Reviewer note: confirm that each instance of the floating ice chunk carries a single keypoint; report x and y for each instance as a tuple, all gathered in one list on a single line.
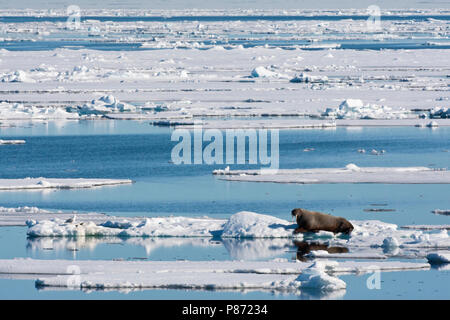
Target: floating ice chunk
[(105, 104), (261, 72), (41, 183), (22, 216), (315, 277), (355, 109), (17, 111), (351, 104), (306, 78), (108, 267), (252, 225), (150, 227), (108, 99), (390, 243), (375, 152), (12, 141), (351, 174), (272, 275), (352, 167), (16, 76)]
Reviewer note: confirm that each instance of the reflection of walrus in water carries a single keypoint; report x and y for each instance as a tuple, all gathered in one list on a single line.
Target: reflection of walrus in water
[(304, 248), (311, 221)]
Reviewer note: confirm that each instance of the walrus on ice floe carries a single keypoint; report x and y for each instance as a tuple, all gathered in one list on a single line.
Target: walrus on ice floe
[(311, 221)]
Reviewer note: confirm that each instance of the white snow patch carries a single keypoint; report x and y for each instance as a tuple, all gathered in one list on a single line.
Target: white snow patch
[(262, 72), (150, 227), (12, 142), (355, 109), (17, 111), (252, 225), (105, 104)]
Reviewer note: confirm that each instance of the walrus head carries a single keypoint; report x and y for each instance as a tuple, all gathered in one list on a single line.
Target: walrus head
[(296, 212), (345, 227)]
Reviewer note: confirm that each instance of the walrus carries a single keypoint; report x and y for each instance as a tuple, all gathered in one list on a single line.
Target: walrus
[(311, 221), (303, 248)]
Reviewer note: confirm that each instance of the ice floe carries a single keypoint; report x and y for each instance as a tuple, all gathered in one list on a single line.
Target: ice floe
[(74, 80), (306, 78), (105, 104), (212, 275), (16, 76), (367, 233), (57, 183), (150, 227), (355, 109), (19, 216), (349, 174), (17, 111), (252, 225), (262, 72), (2, 142)]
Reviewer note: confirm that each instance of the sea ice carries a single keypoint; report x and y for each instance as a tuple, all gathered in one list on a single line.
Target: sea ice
[(349, 174), (46, 183), (149, 227), (12, 142), (355, 109), (105, 104), (252, 225), (366, 233), (306, 78), (217, 275), (17, 111)]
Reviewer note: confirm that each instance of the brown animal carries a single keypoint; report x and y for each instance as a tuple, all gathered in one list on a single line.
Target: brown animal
[(311, 221)]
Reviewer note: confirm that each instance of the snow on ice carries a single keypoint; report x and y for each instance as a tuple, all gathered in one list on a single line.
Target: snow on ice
[(349, 174)]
